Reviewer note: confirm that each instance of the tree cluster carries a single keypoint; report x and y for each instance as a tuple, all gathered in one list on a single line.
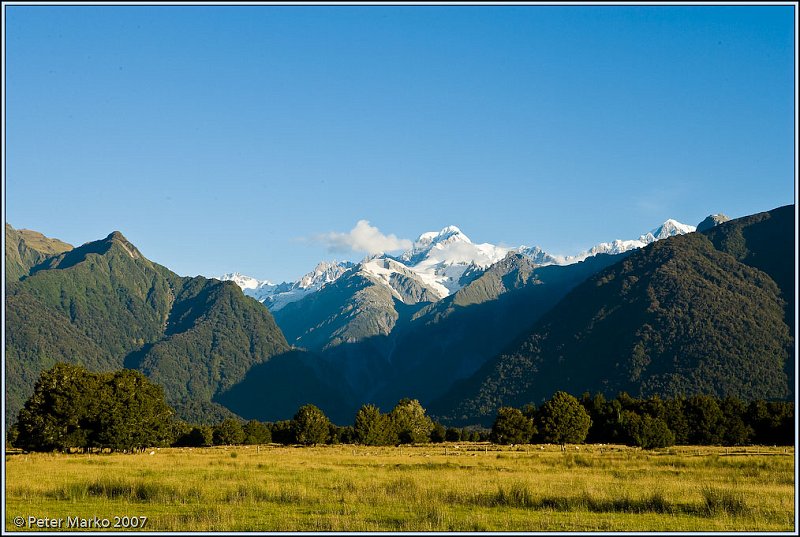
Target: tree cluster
[(74, 408), (648, 423), (406, 423), (696, 420), (560, 420)]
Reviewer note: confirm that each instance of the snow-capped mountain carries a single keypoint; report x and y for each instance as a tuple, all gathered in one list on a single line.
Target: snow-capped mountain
[(440, 258), (437, 265), (324, 272), (245, 282), (277, 296), (539, 256), (405, 283), (670, 228)]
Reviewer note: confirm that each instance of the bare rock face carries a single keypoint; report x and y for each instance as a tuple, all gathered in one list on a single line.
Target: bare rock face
[(712, 221)]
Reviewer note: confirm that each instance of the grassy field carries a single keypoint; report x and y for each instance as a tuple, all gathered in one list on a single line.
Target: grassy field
[(464, 487)]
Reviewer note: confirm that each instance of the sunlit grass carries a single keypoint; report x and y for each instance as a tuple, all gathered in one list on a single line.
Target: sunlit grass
[(464, 487)]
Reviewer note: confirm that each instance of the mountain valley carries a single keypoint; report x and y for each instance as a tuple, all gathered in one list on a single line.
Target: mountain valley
[(463, 327)]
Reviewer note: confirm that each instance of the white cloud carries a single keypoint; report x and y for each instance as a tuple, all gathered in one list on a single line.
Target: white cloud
[(363, 238)]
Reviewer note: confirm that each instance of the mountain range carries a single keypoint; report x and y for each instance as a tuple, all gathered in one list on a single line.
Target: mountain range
[(463, 327), (682, 316), (441, 262)]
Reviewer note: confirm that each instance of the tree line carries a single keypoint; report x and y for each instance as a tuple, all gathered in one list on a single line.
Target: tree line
[(648, 423), (72, 408), (407, 423)]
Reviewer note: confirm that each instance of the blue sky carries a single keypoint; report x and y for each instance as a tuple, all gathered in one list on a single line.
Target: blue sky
[(237, 138)]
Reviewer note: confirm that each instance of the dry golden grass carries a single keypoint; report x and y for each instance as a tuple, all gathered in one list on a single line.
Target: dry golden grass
[(464, 487)]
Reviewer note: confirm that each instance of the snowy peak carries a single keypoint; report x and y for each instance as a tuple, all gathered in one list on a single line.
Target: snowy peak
[(406, 284), (434, 240), (440, 258), (438, 264), (276, 297), (450, 246), (670, 228), (324, 272), (447, 234), (537, 255), (245, 282)]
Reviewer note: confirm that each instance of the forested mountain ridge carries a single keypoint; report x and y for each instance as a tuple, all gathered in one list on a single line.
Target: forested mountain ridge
[(765, 241), (105, 306), (678, 317)]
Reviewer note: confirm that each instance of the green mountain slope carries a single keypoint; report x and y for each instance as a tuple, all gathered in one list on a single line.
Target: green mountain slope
[(765, 241), (105, 306), (214, 336), (25, 249), (676, 317)]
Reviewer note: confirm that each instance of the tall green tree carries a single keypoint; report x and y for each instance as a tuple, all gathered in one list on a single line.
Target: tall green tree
[(772, 421), (411, 423), (563, 420), (256, 432), (646, 431), (675, 416), (372, 428), (512, 427), (198, 436), (705, 420), (736, 431), (438, 433), (229, 433), (62, 410), (132, 412), (311, 426), (283, 432)]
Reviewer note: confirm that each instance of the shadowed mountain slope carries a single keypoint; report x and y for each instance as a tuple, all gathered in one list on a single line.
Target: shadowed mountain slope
[(676, 317)]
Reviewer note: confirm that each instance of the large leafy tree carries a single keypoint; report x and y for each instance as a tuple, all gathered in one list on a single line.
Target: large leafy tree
[(72, 407), (61, 412), (411, 422), (229, 432), (372, 428), (512, 427), (736, 431), (200, 436), (563, 420), (256, 432), (132, 412), (705, 419), (311, 425), (646, 431)]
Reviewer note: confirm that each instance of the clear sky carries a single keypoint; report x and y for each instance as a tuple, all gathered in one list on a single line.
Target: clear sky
[(252, 138)]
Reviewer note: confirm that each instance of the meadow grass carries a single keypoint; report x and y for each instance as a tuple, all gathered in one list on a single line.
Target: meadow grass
[(463, 487)]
